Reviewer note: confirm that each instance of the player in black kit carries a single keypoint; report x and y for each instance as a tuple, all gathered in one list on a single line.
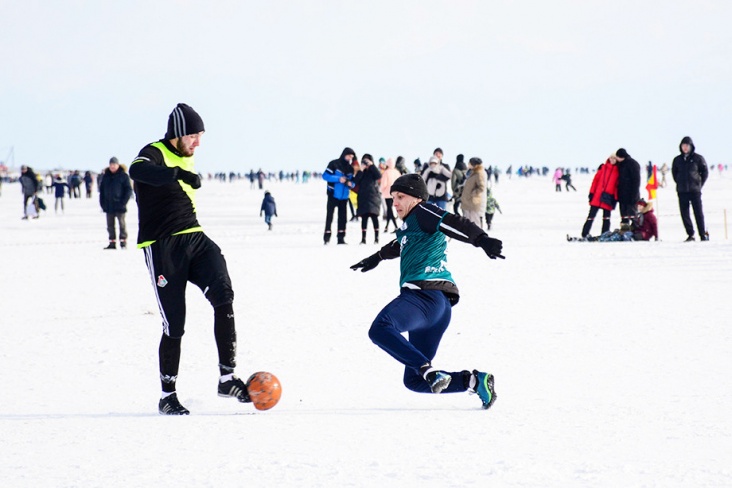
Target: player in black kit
[(177, 251)]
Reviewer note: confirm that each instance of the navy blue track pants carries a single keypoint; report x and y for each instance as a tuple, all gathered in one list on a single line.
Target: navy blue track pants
[(424, 315)]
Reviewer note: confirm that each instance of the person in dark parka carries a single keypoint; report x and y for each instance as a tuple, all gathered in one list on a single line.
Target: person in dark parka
[(115, 191), (690, 172), (369, 196), (629, 178)]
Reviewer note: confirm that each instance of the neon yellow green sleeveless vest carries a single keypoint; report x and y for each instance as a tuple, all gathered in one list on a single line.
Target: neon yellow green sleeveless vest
[(174, 161)]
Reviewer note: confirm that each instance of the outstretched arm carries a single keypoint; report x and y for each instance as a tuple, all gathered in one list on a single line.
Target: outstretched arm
[(390, 251), (432, 219)]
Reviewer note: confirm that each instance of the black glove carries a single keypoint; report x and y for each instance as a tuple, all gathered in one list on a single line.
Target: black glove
[(589, 197), (492, 247), (189, 178), (367, 264)]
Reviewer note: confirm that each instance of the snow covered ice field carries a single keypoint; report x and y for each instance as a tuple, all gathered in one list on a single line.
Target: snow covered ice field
[(612, 360)]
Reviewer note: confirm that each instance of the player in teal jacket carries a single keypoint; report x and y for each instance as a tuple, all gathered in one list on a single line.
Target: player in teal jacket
[(428, 291)]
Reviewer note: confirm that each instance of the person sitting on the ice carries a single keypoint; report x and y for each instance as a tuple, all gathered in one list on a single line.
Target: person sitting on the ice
[(646, 224)]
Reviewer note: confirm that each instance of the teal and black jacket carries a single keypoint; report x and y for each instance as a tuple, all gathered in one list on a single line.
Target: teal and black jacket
[(421, 244)]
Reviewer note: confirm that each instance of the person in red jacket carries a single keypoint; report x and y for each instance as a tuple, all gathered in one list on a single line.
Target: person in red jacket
[(603, 194), (646, 224)]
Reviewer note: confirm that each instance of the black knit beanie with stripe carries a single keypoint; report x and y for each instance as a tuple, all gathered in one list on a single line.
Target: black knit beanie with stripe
[(183, 121), (411, 184)]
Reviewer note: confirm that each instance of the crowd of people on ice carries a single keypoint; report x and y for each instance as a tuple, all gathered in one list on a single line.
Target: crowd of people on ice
[(467, 187), (364, 186)]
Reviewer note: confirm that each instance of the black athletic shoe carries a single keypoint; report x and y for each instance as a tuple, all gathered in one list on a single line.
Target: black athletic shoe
[(111, 245), (690, 239), (123, 244), (235, 388), (171, 406)]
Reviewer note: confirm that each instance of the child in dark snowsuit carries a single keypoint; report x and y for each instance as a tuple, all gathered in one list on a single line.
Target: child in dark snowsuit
[(269, 207), (60, 187), (428, 292)]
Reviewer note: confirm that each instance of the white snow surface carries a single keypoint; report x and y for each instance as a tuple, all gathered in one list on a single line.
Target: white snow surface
[(612, 360)]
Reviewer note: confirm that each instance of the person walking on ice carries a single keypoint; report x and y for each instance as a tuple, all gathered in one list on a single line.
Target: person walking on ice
[(428, 291), (177, 251), (269, 207)]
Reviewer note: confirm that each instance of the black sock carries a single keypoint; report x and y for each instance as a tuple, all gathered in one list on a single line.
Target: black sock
[(225, 334), (169, 360)]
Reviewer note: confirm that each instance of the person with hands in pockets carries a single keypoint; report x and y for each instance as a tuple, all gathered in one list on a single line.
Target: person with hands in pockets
[(428, 291)]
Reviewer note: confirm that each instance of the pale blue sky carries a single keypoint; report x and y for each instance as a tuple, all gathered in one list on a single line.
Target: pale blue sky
[(289, 84)]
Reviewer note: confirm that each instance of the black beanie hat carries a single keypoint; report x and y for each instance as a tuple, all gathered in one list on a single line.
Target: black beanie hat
[(622, 153), (411, 184), (183, 121)]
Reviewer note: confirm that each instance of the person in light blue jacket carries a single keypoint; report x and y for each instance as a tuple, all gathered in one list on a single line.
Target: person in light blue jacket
[(339, 175)]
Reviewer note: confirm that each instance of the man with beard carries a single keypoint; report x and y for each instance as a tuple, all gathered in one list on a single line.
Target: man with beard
[(177, 251), (629, 177)]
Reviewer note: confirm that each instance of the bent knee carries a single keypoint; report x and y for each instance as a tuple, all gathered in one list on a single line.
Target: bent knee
[(379, 328), (220, 294)]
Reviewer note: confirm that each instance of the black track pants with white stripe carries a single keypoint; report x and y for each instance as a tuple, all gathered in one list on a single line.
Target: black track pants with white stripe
[(176, 260)]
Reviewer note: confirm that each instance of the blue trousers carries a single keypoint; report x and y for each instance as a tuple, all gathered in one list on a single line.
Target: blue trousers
[(425, 316)]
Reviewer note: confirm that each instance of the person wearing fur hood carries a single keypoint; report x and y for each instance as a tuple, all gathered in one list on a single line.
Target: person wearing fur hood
[(474, 192), (646, 224)]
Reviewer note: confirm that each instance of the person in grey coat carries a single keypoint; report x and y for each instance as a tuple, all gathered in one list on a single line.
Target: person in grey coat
[(690, 172), (115, 191), (30, 185)]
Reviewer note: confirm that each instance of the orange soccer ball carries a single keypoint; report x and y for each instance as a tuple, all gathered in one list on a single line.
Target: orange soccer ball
[(264, 390)]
